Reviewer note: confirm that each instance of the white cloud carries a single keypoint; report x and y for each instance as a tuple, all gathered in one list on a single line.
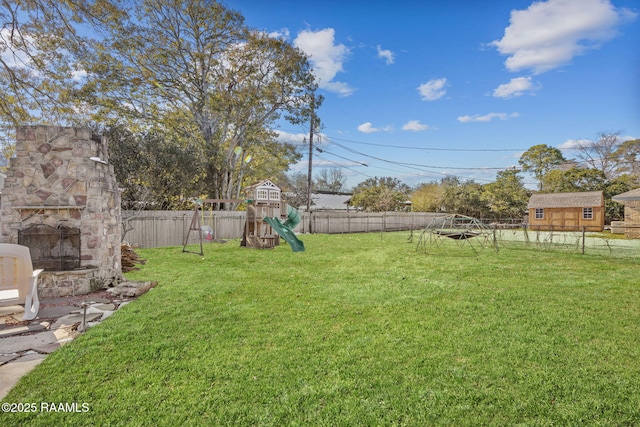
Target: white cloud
[(385, 54), (551, 33), (78, 75), (341, 88), (291, 138), (516, 87), (487, 117), (367, 127), (575, 143), (326, 58), (415, 125), (433, 89), (282, 33)]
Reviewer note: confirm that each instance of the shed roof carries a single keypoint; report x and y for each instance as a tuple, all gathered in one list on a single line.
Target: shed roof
[(628, 196), (567, 200)]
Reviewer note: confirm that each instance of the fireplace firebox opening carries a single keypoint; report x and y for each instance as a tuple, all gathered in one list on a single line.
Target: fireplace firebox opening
[(52, 248)]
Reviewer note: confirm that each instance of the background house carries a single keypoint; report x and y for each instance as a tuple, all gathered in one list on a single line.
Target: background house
[(567, 211), (326, 201), (631, 202), (330, 201)]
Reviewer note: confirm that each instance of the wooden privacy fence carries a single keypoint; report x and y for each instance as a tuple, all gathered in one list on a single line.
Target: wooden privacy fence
[(361, 222), (153, 229)]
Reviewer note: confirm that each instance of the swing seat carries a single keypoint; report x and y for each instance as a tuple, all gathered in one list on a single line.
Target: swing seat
[(207, 231)]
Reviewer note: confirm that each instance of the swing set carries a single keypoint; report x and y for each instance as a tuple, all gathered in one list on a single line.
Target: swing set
[(264, 223), (196, 225)]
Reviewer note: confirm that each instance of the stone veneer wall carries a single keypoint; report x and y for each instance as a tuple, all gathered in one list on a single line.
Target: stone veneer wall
[(60, 177), (632, 219)]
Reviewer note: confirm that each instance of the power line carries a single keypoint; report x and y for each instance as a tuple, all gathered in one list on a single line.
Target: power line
[(430, 148), (422, 171), (414, 165), (421, 168), (320, 150), (344, 167), (425, 168)]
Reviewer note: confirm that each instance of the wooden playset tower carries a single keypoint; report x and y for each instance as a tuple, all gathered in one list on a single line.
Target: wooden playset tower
[(263, 200)]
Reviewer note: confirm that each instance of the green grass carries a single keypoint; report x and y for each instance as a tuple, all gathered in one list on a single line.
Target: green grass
[(357, 330)]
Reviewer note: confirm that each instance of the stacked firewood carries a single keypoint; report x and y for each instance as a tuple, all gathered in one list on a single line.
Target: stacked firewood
[(129, 258)]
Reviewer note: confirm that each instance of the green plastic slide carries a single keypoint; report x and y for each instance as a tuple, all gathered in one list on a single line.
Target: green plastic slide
[(286, 230), (293, 218)]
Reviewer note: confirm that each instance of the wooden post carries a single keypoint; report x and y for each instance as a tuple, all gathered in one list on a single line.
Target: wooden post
[(195, 226)]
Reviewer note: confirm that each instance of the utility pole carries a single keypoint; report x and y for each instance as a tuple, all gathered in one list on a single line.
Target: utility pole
[(309, 176)]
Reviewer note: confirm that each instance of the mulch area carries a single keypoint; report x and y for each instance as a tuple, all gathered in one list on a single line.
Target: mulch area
[(77, 300)]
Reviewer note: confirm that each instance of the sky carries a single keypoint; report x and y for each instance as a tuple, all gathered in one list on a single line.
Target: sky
[(421, 90)]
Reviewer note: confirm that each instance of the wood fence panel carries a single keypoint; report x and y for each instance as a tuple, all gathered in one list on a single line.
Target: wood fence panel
[(152, 229)]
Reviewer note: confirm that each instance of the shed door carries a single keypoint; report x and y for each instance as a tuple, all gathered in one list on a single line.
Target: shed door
[(564, 219)]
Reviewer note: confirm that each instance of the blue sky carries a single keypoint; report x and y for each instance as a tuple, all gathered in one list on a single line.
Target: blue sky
[(419, 90)]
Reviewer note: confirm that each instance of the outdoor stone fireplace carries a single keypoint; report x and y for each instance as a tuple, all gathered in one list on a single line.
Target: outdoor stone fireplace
[(60, 198), (52, 249)]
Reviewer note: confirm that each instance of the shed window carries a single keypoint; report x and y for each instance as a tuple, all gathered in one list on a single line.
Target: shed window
[(274, 195), (262, 194), (587, 213), (539, 213)]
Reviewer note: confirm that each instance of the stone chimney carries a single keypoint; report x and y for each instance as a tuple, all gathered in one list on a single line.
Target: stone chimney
[(60, 179)]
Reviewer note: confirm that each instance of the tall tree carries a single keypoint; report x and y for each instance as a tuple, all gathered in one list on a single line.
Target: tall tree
[(190, 70), (507, 197), (428, 197), (330, 179), (40, 42), (463, 197), (155, 173), (295, 188), (602, 153), (575, 179), (628, 158), (195, 68), (539, 160), (380, 194)]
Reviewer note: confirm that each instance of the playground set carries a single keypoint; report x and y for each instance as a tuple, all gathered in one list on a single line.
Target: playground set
[(268, 219), (463, 230)]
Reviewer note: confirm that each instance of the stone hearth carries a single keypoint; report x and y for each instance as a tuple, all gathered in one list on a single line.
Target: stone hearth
[(60, 177)]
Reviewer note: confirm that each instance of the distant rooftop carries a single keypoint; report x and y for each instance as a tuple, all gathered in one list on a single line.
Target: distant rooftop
[(629, 196), (327, 201)]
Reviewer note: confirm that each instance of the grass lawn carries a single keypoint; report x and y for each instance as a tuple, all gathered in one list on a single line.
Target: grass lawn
[(357, 330)]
